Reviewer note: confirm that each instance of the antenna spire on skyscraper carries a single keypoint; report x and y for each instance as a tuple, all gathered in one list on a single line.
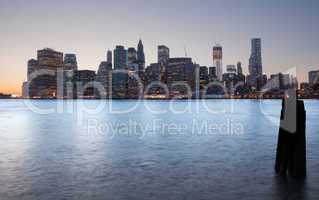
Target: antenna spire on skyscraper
[(185, 50)]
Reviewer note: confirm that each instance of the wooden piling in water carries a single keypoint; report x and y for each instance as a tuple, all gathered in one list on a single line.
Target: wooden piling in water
[(291, 147)]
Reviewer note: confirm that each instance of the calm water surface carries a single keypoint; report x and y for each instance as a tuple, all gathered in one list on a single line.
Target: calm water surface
[(218, 150)]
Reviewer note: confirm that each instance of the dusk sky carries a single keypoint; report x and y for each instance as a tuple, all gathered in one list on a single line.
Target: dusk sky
[(289, 30)]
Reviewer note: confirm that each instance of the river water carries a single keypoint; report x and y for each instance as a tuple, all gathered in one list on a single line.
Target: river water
[(90, 149)]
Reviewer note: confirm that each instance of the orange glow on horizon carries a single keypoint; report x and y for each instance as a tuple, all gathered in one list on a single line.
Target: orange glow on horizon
[(11, 90)]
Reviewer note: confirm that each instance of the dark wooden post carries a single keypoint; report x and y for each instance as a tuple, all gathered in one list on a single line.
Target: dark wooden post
[(291, 147)]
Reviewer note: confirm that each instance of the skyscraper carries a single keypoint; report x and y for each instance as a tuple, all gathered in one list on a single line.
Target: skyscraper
[(181, 71), (255, 64), (203, 77), (217, 59), (131, 55), (69, 67), (239, 69), (240, 75), (120, 57), (29, 87), (42, 78), (119, 79), (140, 55), (212, 73), (231, 69), (313, 77), (103, 77), (162, 54), (203, 73), (109, 57), (85, 83), (50, 61), (132, 59), (70, 62), (33, 65), (133, 67), (152, 75)]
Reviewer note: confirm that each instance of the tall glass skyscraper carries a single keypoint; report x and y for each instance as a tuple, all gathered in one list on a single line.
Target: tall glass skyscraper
[(217, 59), (255, 64), (119, 78), (120, 57)]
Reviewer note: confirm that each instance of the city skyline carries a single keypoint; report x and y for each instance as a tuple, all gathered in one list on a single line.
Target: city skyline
[(53, 75), (285, 45)]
